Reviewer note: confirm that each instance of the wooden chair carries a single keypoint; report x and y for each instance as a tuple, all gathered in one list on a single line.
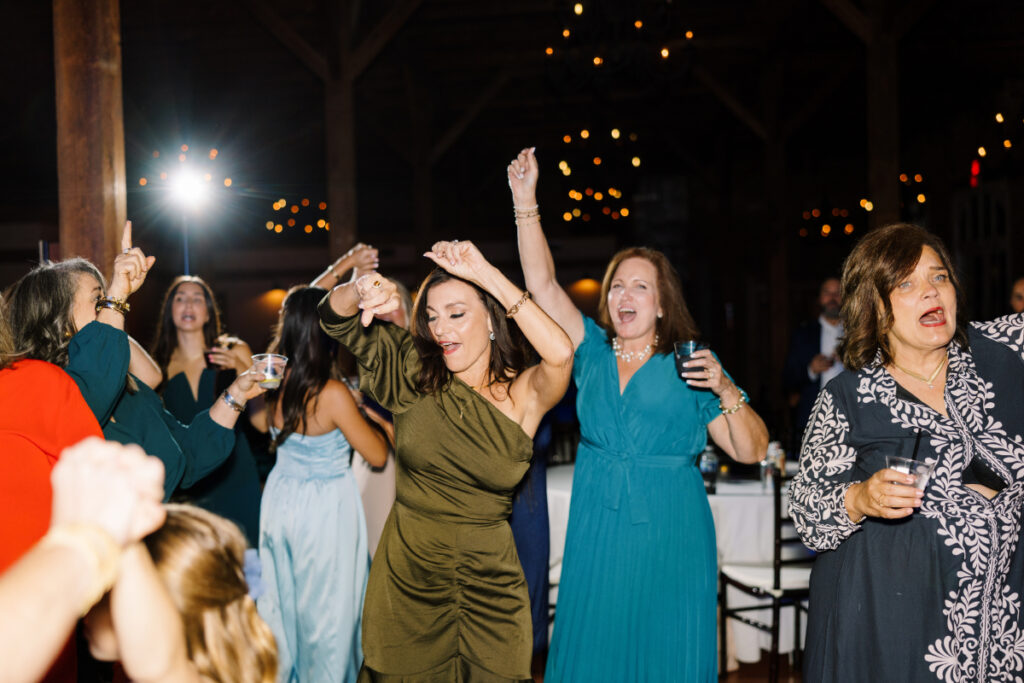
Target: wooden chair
[(785, 582)]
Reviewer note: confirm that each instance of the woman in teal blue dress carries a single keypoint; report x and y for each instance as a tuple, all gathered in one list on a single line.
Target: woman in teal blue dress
[(64, 313), (636, 600), (197, 362)]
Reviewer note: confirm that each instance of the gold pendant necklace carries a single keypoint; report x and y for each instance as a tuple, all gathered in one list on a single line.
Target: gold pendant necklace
[(930, 381)]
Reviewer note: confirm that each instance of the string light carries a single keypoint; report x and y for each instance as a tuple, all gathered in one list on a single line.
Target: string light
[(999, 118), (826, 230), (565, 33), (689, 35), (549, 51), (567, 139), (1007, 144), (639, 24), (664, 53), (848, 229), (578, 8), (920, 199), (598, 61), (981, 152), (615, 133), (584, 133)]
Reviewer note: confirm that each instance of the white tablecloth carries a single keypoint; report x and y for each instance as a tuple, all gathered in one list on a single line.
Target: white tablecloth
[(743, 517)]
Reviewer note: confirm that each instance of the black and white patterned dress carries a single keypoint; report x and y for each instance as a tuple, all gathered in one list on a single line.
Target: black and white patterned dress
[(936, 596)]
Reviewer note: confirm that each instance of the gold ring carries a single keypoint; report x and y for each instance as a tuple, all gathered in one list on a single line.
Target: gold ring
[(376, 283)]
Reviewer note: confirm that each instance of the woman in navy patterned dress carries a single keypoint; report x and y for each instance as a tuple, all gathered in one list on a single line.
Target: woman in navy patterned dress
[(913, 586)]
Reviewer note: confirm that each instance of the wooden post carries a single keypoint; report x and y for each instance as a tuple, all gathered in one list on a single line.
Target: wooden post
[(90, 128), (341, 164)]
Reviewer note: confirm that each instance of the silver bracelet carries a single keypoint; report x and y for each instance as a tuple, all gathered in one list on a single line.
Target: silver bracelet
[(231, 402)]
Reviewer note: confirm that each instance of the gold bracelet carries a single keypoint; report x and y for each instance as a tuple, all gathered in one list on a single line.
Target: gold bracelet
[(529, 212), (97, 547), (733, 409), (119, 305), (515, 307)]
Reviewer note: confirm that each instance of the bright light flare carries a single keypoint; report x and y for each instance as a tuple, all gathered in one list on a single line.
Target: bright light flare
[(188, 189)]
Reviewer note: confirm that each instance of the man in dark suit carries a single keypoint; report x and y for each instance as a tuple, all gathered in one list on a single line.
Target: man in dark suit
[(812, 360)]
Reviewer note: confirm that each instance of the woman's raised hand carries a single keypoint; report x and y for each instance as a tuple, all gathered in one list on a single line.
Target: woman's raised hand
[(130, 267), (887, 493), (522, 179), (377, 296), (461, 259)]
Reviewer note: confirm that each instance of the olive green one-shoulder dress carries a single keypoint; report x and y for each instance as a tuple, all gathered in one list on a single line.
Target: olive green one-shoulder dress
[(446, 599)]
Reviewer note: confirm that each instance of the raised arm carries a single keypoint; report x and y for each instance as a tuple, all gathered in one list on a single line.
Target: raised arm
[(360, 259), (142, 365), (545, 383), (534, 253)]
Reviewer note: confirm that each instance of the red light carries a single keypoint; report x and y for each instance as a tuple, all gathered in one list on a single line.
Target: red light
[(975, 168), (974, 181)]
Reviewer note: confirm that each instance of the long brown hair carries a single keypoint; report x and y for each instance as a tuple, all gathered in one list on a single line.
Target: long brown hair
[(39, 309), (510, 352), (166, 338), (676, 323), (880, 261), (311, 357), (201, 559)]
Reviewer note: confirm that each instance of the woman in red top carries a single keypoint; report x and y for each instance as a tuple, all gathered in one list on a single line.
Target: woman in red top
[(41, 413)]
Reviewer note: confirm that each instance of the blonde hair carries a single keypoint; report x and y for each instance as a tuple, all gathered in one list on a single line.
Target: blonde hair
[(200, 557)]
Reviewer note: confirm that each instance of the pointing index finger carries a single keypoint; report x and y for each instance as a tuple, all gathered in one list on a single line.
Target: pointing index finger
[(126, 236)]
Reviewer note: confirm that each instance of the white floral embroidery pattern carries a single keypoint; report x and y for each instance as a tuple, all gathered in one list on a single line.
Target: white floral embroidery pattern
[(983, 641), (982, 613)]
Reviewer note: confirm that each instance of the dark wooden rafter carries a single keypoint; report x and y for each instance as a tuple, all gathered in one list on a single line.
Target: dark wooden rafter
[(486, 96), (731, 102), (378, 38), (288, 37)]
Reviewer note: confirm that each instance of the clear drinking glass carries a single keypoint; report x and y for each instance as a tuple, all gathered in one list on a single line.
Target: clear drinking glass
[(271, 368), (921, 470)]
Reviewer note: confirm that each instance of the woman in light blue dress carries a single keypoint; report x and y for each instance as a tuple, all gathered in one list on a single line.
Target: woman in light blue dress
[(313, 544), (636, 601)]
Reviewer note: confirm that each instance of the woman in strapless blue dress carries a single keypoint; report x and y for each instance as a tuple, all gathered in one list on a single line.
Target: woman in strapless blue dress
[(313, 543)]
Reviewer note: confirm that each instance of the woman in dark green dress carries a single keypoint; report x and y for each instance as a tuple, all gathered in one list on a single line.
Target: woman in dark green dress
[(64, 313), (447, 600), (197, 363)]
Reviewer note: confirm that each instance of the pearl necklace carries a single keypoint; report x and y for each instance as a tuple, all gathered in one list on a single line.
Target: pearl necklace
[(630, 356)]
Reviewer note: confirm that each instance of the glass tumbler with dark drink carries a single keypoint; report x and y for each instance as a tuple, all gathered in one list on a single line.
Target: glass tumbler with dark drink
[(684, 351)]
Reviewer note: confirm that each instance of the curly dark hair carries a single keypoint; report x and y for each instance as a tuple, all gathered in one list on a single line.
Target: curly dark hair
[(510, 352), (166, 338), (676, 323), (39, 309), (311, 356), (880, 261)]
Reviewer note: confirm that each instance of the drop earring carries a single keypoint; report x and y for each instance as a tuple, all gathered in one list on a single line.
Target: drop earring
[(491, 335)]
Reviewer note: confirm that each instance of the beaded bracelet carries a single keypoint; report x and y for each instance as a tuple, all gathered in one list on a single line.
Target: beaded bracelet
[(119, 305), (515, 307), (529, 212), (733, 409)]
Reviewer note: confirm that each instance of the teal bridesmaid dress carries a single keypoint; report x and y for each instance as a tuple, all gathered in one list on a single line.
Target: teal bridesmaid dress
[(637, 598), (233, 489)]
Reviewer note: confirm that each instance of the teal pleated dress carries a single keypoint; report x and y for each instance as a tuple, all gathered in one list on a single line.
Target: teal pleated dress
[(637, 598), (315, 560)]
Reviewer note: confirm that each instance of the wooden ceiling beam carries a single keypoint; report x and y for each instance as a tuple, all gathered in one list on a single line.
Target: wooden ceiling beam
[(379, 37), (852, 17), (730, 101), (469, 115), (287, 36)]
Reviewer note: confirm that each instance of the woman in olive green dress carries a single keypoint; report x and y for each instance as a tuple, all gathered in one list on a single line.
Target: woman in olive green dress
[(446, 599)]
